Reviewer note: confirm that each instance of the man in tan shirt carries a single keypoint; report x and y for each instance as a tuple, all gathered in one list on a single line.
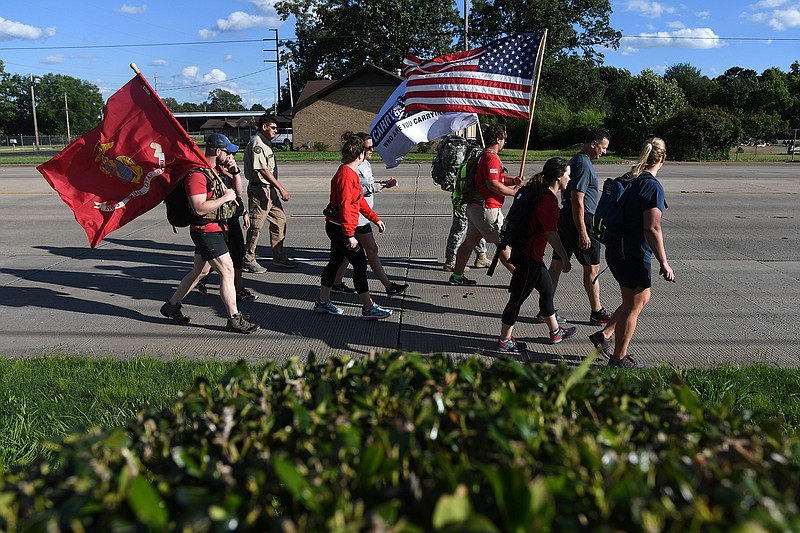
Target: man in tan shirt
[(264, 193)]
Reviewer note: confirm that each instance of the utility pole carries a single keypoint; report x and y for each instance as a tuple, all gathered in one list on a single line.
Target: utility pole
[(466, 25), (277, 65), (33, 107), (156, 81), (66, 112), (289, 78)]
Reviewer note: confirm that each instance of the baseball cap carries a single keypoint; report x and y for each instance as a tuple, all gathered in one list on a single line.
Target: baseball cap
[(218, 140)]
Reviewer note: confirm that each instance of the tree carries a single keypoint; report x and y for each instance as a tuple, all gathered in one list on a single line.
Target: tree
[(84, 102), (648, 99), (336, 37), (573, 26), (700, 134), (257, 107), (697, 88), (222, 100), (172, 104), (734, 89)]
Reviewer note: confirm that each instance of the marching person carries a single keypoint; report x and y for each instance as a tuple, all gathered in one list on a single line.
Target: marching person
[(530, 272), (341, 220), (363, 232), (264, 196), (212, 204), (630, 257)]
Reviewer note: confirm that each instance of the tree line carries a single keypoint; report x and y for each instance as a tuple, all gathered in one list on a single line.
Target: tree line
[(701, 117)]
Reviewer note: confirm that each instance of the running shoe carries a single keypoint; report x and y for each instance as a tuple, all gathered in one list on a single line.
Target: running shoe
[(561, 334), (600, 341), (539, 319), (327, 307), (253, 268), (599, 318), (510, 345), (375, 312), (246, 296), (461, 281), (396, 288), (625, 362), (201, 285), (343, 288)]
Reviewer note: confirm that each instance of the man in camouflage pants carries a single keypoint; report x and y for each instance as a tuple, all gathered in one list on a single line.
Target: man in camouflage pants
[(457, 233)]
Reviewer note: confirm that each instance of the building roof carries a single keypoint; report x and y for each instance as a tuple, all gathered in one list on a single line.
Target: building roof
[(322, 88)]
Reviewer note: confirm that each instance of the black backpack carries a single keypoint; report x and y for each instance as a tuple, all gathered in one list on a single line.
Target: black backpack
[(451, 152), (517, 224), (608, 216)]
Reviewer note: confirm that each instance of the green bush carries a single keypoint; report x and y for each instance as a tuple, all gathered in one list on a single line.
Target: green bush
[(706, 134), (320, 146), (405, 442), (424, 147)]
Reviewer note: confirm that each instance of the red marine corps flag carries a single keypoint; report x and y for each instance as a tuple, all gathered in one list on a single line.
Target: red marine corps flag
[(126, 165)]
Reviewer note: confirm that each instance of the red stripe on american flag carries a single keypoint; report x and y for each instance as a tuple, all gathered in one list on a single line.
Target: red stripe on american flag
[(417, 95), (415, 84), (469, 109)]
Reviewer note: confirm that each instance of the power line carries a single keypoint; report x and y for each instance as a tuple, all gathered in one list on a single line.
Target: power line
[(139, 45), (214, 82), (699, 38)]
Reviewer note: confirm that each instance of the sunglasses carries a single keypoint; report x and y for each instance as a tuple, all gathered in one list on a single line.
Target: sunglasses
[(369, 149), (227, 151)]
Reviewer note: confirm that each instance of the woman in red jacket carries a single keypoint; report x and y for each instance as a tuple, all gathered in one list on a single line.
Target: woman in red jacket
[(530, 272), (341, 218)]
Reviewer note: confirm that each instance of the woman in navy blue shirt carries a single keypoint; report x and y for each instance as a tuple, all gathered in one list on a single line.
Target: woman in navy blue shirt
[(630, 257)]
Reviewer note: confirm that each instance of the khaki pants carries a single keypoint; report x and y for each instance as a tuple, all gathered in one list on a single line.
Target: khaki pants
[(264, 205)]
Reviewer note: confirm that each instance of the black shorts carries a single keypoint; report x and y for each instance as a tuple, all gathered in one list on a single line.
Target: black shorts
[(363, 230), (209, 245), (568, 234), (633, 273)]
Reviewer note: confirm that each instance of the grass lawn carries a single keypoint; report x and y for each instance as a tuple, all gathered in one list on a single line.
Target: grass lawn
[(42, 398)]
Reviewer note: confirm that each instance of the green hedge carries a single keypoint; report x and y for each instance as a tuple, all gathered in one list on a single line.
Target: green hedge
[(406, 442)]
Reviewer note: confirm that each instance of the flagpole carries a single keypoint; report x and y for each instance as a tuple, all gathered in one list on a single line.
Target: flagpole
[(539, 61)]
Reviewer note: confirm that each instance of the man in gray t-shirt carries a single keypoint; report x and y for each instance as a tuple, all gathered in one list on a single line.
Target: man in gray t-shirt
[(579, 201)]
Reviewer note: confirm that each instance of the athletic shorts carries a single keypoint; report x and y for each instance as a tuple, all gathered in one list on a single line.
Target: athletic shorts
[(568, 234), (486, 221), (363, 230), (631, 273), (209, 245)]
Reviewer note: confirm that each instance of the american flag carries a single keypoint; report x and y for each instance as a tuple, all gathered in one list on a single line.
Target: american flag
[(495, 79)]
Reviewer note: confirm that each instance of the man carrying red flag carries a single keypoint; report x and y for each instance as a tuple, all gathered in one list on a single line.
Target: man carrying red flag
[(212, 204)]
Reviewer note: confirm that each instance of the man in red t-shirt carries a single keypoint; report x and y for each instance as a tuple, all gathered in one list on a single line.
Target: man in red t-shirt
[(209, 237), (486, 218)]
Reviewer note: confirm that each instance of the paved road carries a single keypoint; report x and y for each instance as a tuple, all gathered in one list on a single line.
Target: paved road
[(731, 235)]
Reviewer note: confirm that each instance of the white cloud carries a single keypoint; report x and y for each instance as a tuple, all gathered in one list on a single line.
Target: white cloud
[(133, 10), (17, 30), (777, 19), (159, 63), (699, 38), (228, 58), (265, 16), (703, 14), (677, 24), (768, 4), (649, 9), (192, 75), (55, 59)]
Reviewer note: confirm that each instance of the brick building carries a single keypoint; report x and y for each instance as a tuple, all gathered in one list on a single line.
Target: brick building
[(326, 108)]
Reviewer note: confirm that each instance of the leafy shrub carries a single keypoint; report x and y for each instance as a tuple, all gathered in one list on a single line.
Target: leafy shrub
[(706, 134), (320, 146), (403, 442), (424, 147)]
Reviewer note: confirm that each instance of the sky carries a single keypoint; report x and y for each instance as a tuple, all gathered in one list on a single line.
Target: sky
[(187, 49)]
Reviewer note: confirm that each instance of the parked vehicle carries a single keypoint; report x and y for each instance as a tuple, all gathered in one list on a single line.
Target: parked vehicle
[(283, 138)]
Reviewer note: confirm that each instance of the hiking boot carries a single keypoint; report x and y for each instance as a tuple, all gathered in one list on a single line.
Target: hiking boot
[(625, 362), (239, 324), (285, 263), (539, 319), (599, 318), (561, 334), (600, 341), (396, 288), (482, 261), (246, 296), (342, 287), (253, 268), (201, 285), (449, 266), (510, 345), (327, 307), (375, 312), (174, 312), (461, 281)]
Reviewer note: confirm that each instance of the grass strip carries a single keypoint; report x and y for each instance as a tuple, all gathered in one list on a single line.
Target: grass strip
[(43, 398)]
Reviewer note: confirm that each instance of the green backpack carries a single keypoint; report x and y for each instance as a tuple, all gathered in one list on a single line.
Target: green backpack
[(464, 190)]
